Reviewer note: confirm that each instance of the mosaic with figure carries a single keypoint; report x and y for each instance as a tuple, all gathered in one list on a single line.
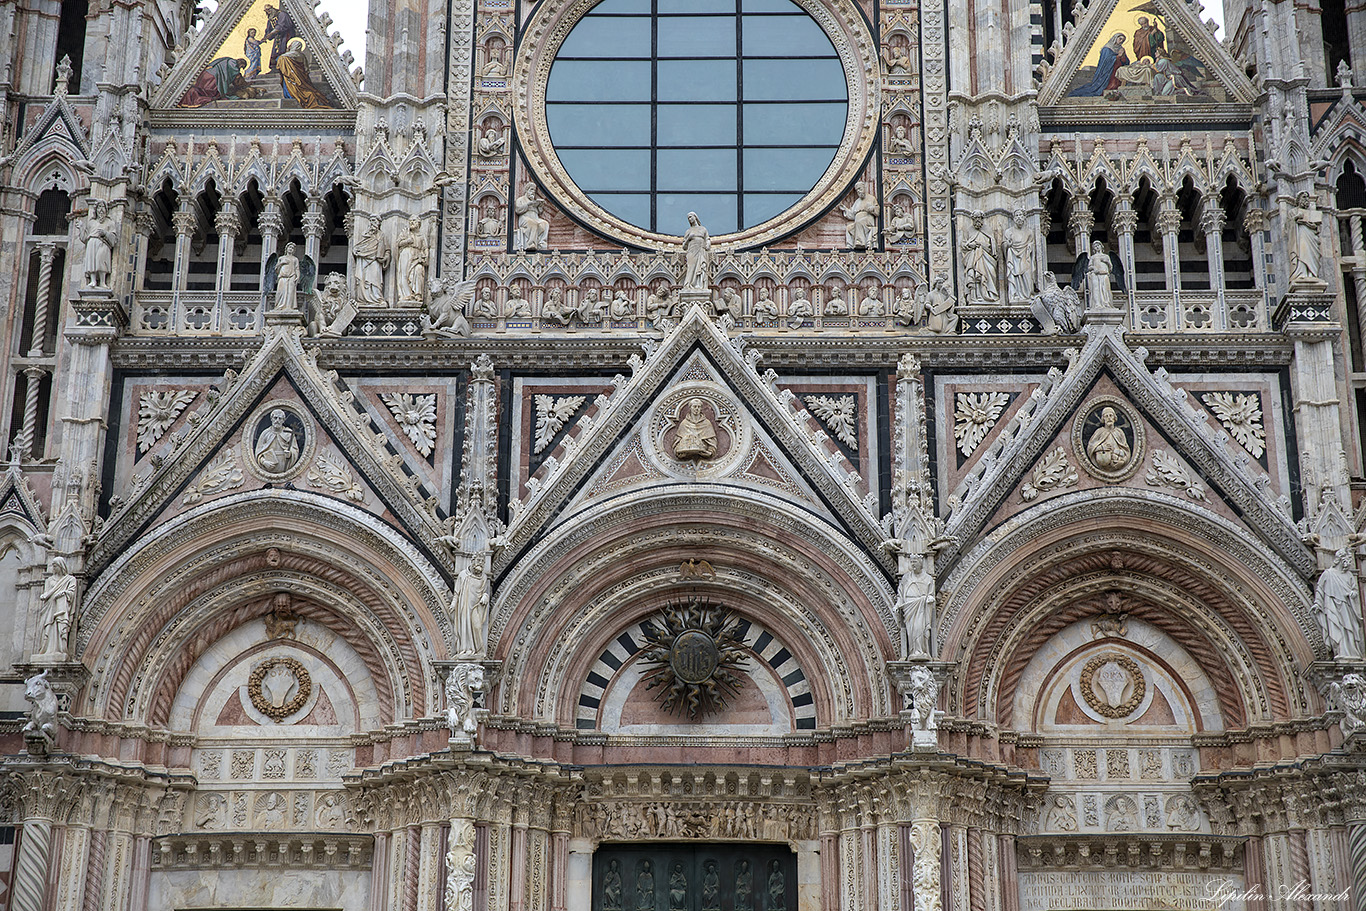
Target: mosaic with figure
[(1140, 57)]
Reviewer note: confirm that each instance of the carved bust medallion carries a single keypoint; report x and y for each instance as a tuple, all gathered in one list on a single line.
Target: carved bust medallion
[(697, 430), (278, 441), (1107, 440)]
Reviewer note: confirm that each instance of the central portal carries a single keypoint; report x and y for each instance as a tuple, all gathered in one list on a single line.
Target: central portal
[(695, 877)]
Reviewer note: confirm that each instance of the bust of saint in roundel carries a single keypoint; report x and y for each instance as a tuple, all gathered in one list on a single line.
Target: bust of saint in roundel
[(696, 436)]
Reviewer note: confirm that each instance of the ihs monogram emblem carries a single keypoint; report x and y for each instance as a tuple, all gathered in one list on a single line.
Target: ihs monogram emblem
[(694, 653)]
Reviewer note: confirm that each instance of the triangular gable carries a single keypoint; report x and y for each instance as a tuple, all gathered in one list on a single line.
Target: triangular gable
[(17, 501), (1184, 64), (206, 449), (57, 127), (198, 82), (1195, 439), (697, 352)]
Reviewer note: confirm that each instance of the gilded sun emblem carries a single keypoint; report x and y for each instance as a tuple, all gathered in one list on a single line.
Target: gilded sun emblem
[(694, 654)]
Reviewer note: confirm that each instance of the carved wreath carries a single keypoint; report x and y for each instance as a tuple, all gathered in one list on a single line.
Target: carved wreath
[(1128, 706), (264, 705)]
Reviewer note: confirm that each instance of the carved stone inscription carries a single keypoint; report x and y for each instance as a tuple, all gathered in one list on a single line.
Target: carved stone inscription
[(1113, 891)]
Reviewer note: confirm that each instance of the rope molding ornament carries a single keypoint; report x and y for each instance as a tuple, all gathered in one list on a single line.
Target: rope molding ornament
[(842, 22), (1129, 666)]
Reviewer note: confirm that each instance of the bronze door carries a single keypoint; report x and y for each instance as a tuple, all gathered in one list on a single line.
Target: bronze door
[(694, 877)]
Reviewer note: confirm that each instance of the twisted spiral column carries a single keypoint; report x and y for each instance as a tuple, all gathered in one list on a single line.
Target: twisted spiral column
[(30, 874)]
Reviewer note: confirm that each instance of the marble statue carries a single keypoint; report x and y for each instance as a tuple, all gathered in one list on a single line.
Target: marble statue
[(861, 233), (464, 682), (696, 255), (835, 304), (622, 307), (939, 307), (915, 605), (277, 447), (924, 690), (42, 713), (413, 256), (980, 263), (871, 303), (1099, 275), (100, 236), (1021, 257), (1349, 697), (1062, 815), (901, 226), (1109, 446), (900, 143), (334, 310), (446, 310), (491, 144), (59, 602), (661, 305), (1337, 606), (696, 437), (1058, 309), (1306, 251), (372, 258), (470, 609), (287, 280), (799, 309), (533, 231), (765, 308)]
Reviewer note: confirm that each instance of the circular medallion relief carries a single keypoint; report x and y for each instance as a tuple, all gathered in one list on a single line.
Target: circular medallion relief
[(694, 656), (696, 430), (279, 687), (278, 441), (1107, 440), (755, 114), (1112, 685)]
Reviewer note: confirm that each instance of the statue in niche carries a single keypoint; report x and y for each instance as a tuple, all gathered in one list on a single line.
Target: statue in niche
[(488, 226), (861, 232), (980, 266), (645, 887), (835, 305), (622, 307), (277, 446), (611, 887), (470, 609), (372, 258), (1337, 605), (901, 226), (696, 255), (1109, 447), (100, 235), (413, 255), (871, 304), (494, 68), (1021, 257), (661, 305), (485, 307), (1058, 309), (744, 887), (59, 609), (914, 599), (900, 143), (696, 439), (533, 231), (765, 308), (1306, 252), (799, 309), (678, 889), (777, 888), (711, 887), (491, 144), (1100, 270)]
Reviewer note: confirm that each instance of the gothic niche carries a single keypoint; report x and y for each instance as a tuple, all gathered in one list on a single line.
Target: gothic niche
[(695, 656)]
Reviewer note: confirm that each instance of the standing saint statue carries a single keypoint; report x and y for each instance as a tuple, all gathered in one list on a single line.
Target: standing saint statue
[(914, 598), (59, 599), (372, 258), (287, 280), (861, 232), (470, 609), (697, 255), (1306, 252), (1021, 258), (413, 254), (980, 263), (99, 235), (1099, 272), (533, 231), (1337, 606)]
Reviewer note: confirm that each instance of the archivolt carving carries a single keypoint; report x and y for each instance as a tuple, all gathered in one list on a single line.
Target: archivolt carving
[(1219, 608)]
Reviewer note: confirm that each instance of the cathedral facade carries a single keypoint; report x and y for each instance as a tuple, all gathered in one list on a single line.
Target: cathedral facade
[(682, 455)]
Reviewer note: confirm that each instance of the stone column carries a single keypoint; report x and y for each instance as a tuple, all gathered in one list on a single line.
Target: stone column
[(1358, 270), (46, 254), (185, 222), (1008, 874), (1080, 221), (429, 868), (146, 227), (1317, 412), (28, 434), (517, 885), (808, 875), (228, 225), (74, 869), (579, 875), (925, 870), (313, 227), (29, 892), (270, 223), (1212, 221), (379, 873), (1168, 225), (1125, 220)]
